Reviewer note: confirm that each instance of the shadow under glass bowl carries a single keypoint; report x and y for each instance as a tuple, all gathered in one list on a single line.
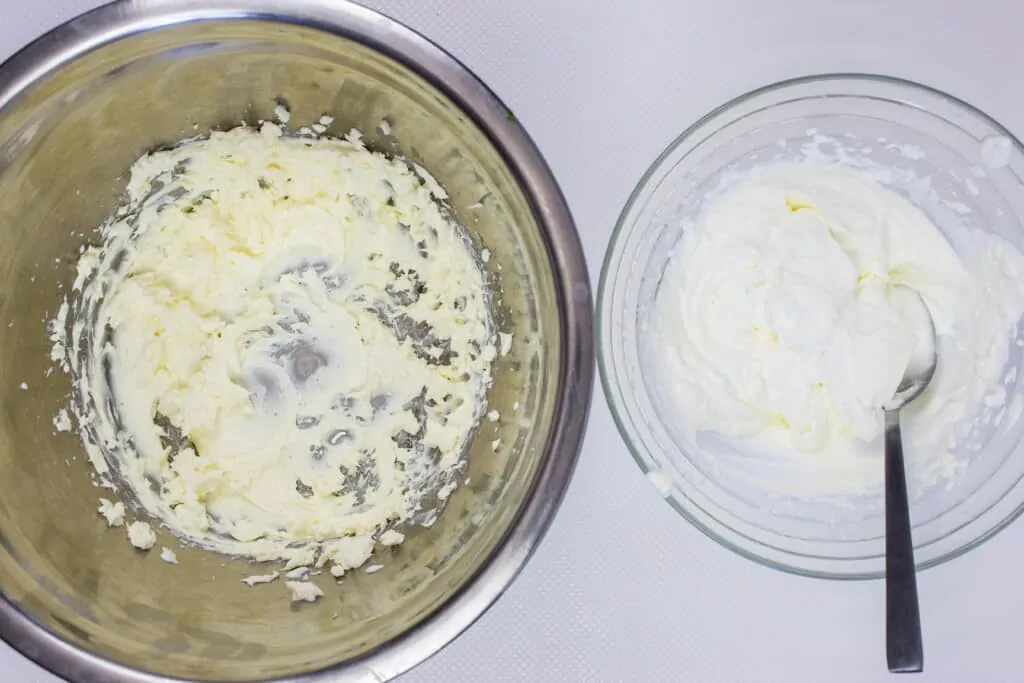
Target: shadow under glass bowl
[(77, 107), (951, 160)]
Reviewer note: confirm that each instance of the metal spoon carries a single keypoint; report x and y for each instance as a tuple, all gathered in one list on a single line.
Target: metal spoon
[(903, 648)]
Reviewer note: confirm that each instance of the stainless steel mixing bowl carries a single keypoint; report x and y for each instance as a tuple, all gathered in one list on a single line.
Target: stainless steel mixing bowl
[(76, 108)]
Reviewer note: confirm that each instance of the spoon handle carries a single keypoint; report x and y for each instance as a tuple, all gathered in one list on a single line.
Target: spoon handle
[(903, 649)]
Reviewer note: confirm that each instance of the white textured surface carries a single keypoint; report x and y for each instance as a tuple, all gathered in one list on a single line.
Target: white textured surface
[(622, 588)]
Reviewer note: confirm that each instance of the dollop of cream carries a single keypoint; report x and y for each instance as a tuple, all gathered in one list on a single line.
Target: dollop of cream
[(282, 346), (779, 326)]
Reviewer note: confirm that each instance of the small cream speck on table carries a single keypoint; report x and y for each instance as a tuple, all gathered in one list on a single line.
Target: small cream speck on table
[(622, 588)]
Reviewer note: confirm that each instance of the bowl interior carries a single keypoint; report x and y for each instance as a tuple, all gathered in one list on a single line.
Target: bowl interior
[(929, 148), (66, 142)]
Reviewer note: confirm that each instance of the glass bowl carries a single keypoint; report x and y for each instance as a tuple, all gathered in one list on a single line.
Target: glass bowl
[(951, 160)]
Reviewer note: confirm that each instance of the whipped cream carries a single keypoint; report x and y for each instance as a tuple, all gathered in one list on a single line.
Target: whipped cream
[(780, 330), (282, 346)]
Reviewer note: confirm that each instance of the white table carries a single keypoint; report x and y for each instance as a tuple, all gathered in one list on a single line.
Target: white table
[(623, 589)]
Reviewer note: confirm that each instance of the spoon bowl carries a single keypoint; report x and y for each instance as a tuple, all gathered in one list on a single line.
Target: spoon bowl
[(923, 362)]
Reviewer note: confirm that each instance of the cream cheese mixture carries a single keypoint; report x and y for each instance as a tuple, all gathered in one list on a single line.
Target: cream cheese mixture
[(282, 347), (779, 330)]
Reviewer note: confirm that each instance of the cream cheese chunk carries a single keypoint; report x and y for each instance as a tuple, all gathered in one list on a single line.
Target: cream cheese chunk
[(141, 535), (303, 591)]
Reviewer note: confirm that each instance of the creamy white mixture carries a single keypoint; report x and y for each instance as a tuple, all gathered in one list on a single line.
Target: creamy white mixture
[(780, 331), (281, 348)]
